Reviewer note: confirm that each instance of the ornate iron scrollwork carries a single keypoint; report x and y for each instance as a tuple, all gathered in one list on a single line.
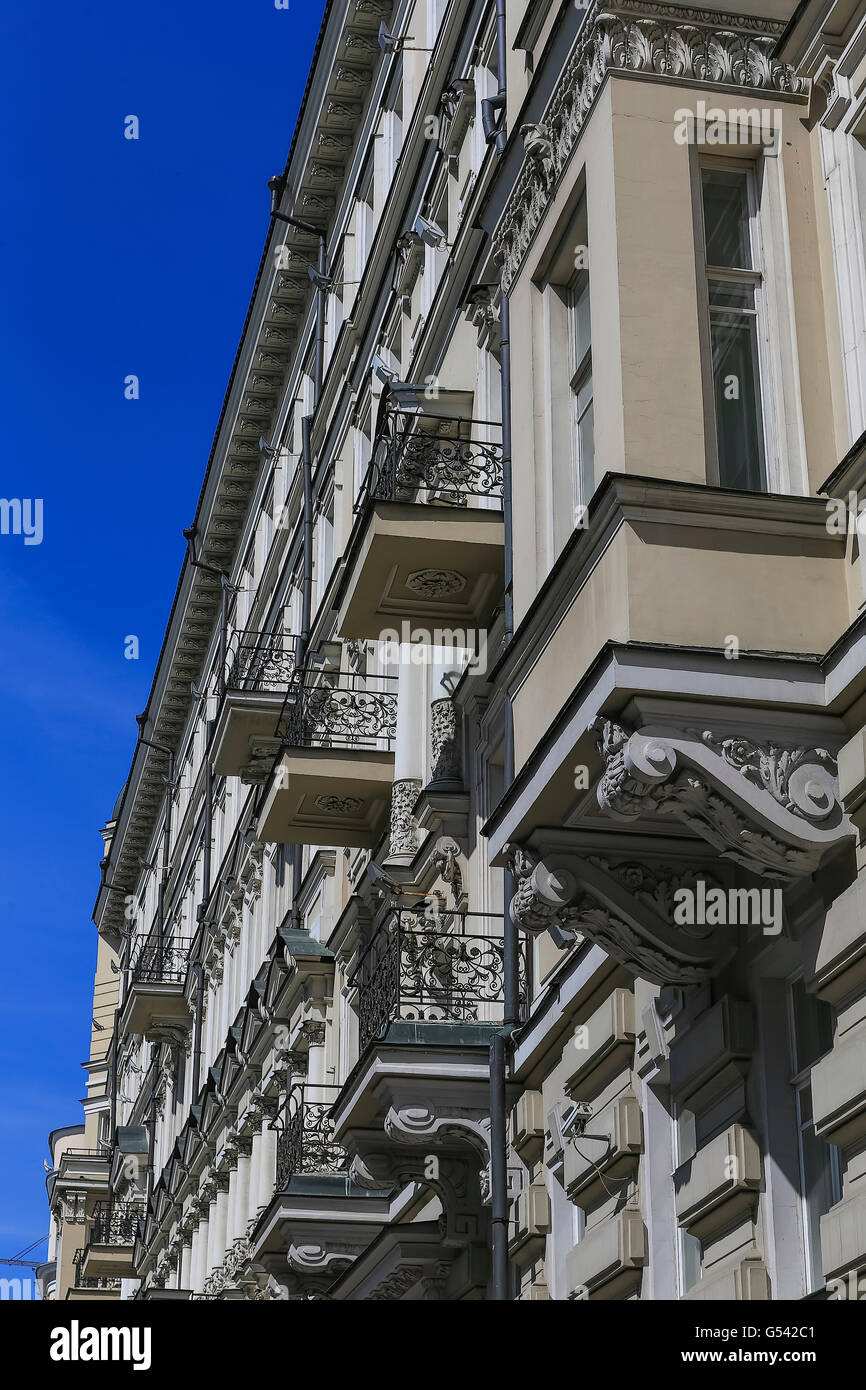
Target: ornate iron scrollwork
[(341, 712), (260, 661), (408, 460), (430, 971), (116, 1223), (306, 1141), (161, 961)]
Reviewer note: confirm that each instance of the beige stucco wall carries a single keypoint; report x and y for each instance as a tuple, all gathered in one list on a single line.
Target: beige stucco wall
[(772, 594), (648, 378)]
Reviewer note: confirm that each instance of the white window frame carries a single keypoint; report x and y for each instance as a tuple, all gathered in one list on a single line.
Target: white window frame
[(581, 373), (755, 277), (800, 1080)]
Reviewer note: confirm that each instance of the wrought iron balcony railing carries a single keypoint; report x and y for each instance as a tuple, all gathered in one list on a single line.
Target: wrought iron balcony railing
[(432, 459), (81, 1282), (306, 1140), (161, 962), (335, 710), (115, 1223), (449, 968), (260, 661)]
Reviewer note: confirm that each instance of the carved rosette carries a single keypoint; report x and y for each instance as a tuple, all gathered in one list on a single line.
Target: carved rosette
[(404, 827), (445, 744), (436, 584)]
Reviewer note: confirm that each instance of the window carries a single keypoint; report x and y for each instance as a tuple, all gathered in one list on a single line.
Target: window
[(393, 132), (335, 311), (325, 549), (689, 1253), (734, 295), (364, 221), (581, 392), (435, 12), (363, 445), (820, 1170), (435, 254)]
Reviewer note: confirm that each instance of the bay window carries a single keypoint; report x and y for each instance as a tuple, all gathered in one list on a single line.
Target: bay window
[(734, 290)]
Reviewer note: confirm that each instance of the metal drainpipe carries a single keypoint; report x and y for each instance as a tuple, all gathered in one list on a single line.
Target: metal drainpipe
[(205, 895), (277, 186), (151, 1124), (225, 589), (112, 1114), (320, 327), (500, 1045), (166, 855), (307, 578)]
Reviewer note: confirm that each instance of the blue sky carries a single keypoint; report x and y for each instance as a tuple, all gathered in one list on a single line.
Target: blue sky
[(116, 257)]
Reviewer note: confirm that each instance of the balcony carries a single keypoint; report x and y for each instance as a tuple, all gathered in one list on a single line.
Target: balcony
[(84, 1290), (109, 1251), (430, 994), (333, 783), (318, 1222), (156, 984), (415, 971), (428, 545), (306, 1141), (259, 668)]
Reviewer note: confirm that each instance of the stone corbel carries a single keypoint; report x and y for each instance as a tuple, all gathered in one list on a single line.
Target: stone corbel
[(774, 810), (313, 1267), (422, 1125), (74, 1212), (257, 770), (624, 906), (482, 311), (457, 105), (455, 1180), (449, 862)]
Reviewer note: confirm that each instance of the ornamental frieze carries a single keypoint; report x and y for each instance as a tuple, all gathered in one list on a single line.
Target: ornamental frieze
[(634, 37)]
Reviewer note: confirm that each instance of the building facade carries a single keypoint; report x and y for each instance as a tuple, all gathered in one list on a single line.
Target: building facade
[(484, 898)]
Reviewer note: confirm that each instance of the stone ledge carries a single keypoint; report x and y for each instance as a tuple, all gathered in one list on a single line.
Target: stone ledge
[(839, 1092), (610, 1044), (741, 1279), (607, 1263), (843, 1237), (720, 1184), (714, 1054), (840, 967)]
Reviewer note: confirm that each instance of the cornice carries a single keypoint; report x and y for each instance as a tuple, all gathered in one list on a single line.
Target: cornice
[(343, 70), (633, 38)]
